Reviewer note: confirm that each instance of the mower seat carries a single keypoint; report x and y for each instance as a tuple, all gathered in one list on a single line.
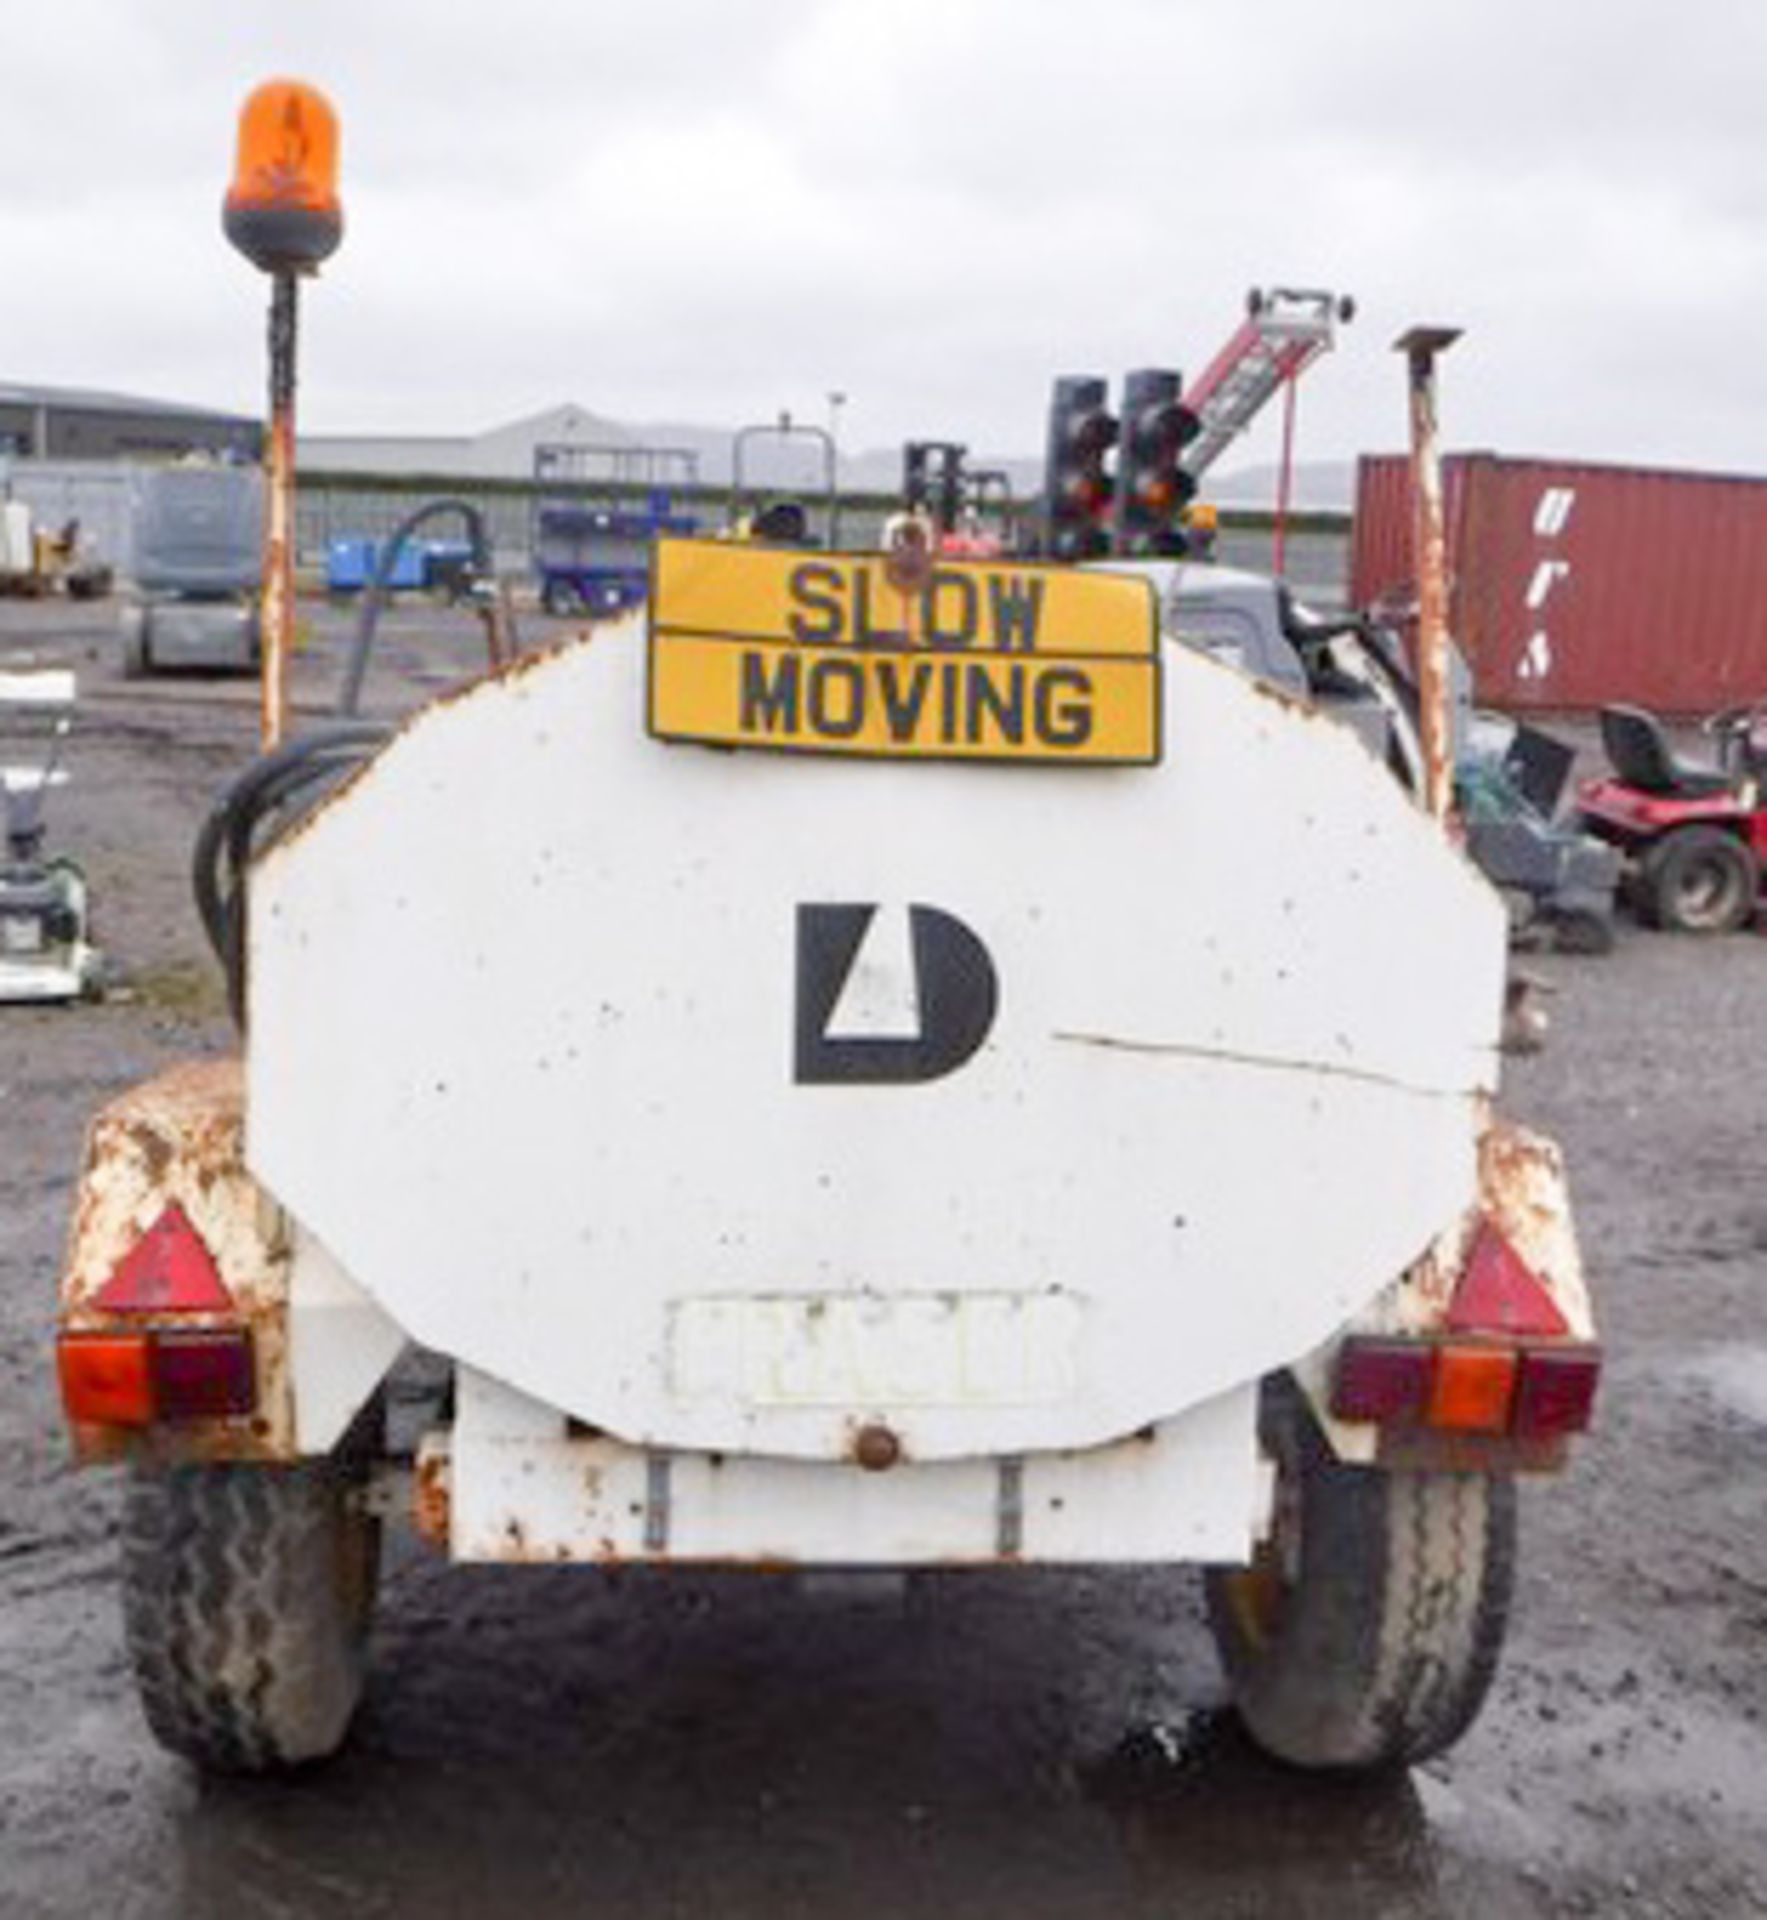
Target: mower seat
[(1639, 751)]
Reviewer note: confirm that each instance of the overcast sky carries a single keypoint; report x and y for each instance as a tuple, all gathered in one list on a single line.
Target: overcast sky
[(705, 210)]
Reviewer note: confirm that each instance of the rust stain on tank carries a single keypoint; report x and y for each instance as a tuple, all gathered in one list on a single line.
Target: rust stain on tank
[(156, 1156), (1520, 1182), (1521, 1192), (432, 1497), (876, 1447)]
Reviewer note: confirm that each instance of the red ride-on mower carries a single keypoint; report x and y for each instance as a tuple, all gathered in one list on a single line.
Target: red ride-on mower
[(1695, 837)]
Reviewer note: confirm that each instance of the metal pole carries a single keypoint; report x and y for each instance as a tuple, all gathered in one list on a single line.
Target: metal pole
[(1430, 548), (1285, 475), (835, 402), (279, 529)]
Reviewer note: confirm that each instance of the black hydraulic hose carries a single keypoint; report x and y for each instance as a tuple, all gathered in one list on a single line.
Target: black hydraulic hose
[(282, 782), (230, 834), (374, 595), (242, 801)]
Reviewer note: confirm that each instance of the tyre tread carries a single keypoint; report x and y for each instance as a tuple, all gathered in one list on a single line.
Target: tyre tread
[(245, 1653)]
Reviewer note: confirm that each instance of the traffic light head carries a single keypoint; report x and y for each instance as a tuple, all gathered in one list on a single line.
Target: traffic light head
[(1153, 488), (1077, 490), (933, 480), (914, 480)]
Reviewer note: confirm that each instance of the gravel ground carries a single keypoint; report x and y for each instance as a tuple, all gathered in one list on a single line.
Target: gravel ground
[(547, 1743)]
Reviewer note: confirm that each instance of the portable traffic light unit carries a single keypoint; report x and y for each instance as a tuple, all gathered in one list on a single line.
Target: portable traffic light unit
[(1077, 489), (1153, 489)]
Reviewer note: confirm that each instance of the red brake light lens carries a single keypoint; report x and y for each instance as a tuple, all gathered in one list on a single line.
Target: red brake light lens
[(203, 1375), (1556, 1391), (1382, 1380)]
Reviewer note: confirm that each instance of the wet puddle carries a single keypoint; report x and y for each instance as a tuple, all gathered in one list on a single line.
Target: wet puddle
[(1738, 1377)]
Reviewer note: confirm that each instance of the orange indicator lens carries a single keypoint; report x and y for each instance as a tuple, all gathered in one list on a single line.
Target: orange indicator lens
[(105, 1378), (1473, 1389)]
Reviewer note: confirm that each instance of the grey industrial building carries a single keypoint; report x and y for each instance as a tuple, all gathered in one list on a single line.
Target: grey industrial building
[(71, 423), (503, 452)]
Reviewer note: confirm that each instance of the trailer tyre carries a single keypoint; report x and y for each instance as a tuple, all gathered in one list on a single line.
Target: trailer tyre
[(247, 1595), (1366, 1633), (1701, 880)]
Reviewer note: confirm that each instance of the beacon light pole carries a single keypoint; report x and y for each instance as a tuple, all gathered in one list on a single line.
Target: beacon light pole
[(1421, 346)]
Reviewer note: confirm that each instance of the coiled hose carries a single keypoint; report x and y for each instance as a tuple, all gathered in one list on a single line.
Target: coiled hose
[(254, 807)]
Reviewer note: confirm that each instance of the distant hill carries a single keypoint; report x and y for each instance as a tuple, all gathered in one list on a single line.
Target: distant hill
[(1319, 486)]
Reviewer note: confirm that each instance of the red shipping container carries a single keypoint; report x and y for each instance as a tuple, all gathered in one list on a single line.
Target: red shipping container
[(1573, 585)]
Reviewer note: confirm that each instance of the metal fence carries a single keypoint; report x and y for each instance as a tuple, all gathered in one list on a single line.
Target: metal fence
[(328, 510), (1317, 556), (100, 495)]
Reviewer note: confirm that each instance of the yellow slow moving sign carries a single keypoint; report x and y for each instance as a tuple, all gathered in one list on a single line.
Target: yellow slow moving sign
[(822, 653)]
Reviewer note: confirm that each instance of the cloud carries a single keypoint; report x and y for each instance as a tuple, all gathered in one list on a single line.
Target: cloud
[(707, 210)]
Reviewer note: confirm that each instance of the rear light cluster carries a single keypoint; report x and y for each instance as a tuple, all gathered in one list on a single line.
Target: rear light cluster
[(1503, 1367), (136, 1378), (137, 1375), (1467, 1386)]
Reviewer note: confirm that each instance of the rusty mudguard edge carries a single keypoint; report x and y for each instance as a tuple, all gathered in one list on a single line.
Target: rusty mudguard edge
[(180, 1138), (1522, 1192)]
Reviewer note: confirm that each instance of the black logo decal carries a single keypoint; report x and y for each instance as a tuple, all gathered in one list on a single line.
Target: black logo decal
[(955, 987)]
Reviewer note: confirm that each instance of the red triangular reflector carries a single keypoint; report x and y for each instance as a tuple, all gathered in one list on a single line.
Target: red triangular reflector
[(1499, 1293), (168, 1270)]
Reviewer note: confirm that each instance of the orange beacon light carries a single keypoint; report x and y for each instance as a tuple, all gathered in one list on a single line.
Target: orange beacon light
[(282, 211)]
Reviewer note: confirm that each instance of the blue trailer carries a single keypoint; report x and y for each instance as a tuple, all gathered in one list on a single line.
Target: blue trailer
[(350, 562)]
